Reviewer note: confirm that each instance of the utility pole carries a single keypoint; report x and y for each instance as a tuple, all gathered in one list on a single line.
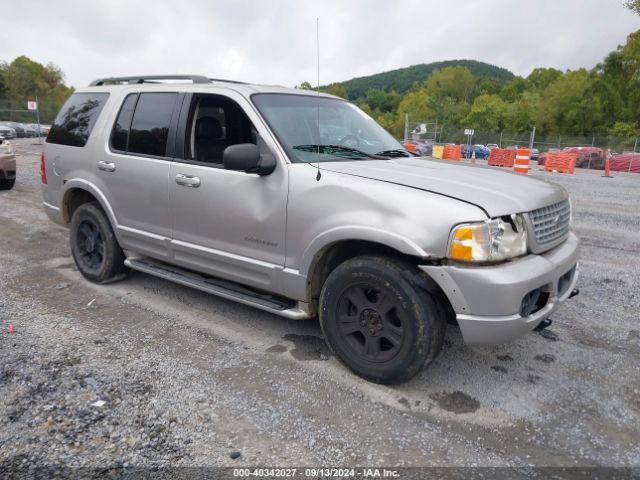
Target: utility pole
[(38, 120), (532, 139), (406, 127), (500, 142)]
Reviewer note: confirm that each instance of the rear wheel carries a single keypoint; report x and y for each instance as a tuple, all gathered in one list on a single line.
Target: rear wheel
[(7, 184), (94, 246), (379, 318)]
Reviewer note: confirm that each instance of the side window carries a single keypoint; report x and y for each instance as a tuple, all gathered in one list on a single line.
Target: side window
[(150, 125), (120, 134), (76, 119), (216, 122)]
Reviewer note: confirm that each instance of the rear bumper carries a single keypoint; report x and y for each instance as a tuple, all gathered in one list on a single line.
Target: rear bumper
[(54, 214), (488, 300)]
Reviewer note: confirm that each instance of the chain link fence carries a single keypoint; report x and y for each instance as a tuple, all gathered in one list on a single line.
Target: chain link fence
[(435, 133), (12, 110), (543, 143)]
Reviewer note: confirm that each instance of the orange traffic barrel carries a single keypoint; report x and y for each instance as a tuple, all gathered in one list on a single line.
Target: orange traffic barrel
[(521, 163)]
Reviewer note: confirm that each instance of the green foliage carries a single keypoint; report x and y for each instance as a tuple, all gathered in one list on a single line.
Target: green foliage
[(456, 83), (633, 5), (404, 79), (488, 112), (541, 78), (624, 130), (335, 89), (23, 80), (603, 101)]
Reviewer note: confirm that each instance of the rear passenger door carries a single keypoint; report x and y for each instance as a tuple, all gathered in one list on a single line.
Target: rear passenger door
[(135, 170)]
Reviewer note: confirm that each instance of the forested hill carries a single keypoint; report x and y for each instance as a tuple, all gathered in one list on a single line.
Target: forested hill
[(402, 79)]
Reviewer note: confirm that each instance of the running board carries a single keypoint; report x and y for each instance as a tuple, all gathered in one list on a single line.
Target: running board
[(222, 288)]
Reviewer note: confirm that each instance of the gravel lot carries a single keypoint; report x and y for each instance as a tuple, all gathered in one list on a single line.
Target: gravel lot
[(186, 379)]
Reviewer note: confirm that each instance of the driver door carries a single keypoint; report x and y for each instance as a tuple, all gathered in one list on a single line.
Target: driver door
[(228, 224)]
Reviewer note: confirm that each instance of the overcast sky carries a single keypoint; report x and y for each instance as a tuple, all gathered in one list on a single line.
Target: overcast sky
[(274, 41)]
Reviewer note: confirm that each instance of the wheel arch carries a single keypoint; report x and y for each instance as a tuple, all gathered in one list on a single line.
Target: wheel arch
[(78, 192), (332, 254)]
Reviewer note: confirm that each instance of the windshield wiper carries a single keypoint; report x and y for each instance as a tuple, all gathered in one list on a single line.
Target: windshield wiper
[(394, 153), (332, 149)]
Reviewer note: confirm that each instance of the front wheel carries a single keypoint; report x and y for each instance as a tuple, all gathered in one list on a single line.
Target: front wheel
[(379, 318), (94, 246)]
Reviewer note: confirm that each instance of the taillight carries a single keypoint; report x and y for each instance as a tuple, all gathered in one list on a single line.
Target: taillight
[(43, 169)]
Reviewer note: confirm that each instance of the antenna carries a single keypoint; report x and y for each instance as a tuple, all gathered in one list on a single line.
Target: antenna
[(318, 175)]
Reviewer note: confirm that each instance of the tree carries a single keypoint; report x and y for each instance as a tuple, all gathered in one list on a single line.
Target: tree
[(457, 83), (624, 130), (23, 79), (541, 78), (567, 105), (304, 86), (633, 5), (380, 100), (335, 89), (488, 113), (416, 104), (521, 115), (513, 89)]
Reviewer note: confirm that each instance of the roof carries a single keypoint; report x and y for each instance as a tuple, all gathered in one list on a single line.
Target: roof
[(199, 81)]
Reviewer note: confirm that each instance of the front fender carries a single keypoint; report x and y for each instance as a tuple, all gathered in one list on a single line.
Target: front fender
[(364, 233)]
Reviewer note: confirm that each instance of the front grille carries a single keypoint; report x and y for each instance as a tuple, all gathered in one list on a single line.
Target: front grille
[(551, 223)]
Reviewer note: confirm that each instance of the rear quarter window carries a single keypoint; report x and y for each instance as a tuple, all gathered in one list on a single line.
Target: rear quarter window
[(76, 119)]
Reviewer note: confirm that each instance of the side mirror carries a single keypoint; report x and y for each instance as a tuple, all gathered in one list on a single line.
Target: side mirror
[(246, 157)]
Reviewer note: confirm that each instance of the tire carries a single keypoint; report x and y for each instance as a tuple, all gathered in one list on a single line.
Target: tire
[(380, 318), (94, 246), (7, 184)]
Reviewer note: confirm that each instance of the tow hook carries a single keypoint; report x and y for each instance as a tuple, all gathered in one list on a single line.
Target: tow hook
[(574, 292), (543, 324)]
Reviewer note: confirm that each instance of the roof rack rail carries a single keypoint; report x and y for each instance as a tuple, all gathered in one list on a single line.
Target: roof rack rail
[(150, 78)]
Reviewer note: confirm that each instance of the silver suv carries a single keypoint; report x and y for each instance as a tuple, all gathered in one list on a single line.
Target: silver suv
[(300, 204)]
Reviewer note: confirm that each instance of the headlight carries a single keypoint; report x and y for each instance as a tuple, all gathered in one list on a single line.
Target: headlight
[(491, 241)]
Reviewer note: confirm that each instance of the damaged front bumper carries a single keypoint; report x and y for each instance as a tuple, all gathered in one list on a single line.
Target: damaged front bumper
[(495, 304)]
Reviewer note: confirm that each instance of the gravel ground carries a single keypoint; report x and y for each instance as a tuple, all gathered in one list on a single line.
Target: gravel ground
[(145, 373)]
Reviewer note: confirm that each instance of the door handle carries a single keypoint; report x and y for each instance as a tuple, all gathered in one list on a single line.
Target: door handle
[(106, 166), (188, 180)]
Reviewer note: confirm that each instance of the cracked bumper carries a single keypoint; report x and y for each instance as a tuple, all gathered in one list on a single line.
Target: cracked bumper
[(488, 300)]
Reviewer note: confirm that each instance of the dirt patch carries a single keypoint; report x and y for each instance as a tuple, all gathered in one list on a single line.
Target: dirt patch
[(533, 379), (505, 358), (456, 402), (499, 368), (548, 335), (545, 358), (276, 349), (308, 347)]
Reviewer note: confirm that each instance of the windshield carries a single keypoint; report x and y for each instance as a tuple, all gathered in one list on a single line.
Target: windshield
[(344, 132)]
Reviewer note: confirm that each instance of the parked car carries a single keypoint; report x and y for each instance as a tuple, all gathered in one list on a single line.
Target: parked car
[(534, 154), (492, 145), (480, 150), (7, 132), (19, 129), (30, 130), (7, 165), (386, 249)]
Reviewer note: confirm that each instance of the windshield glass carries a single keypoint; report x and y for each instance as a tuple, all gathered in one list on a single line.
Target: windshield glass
[(319, 129)]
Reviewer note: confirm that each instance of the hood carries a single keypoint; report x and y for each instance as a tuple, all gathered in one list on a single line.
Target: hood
[(497, 192)]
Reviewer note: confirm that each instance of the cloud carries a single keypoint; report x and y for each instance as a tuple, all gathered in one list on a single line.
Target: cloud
[(275, 42)]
